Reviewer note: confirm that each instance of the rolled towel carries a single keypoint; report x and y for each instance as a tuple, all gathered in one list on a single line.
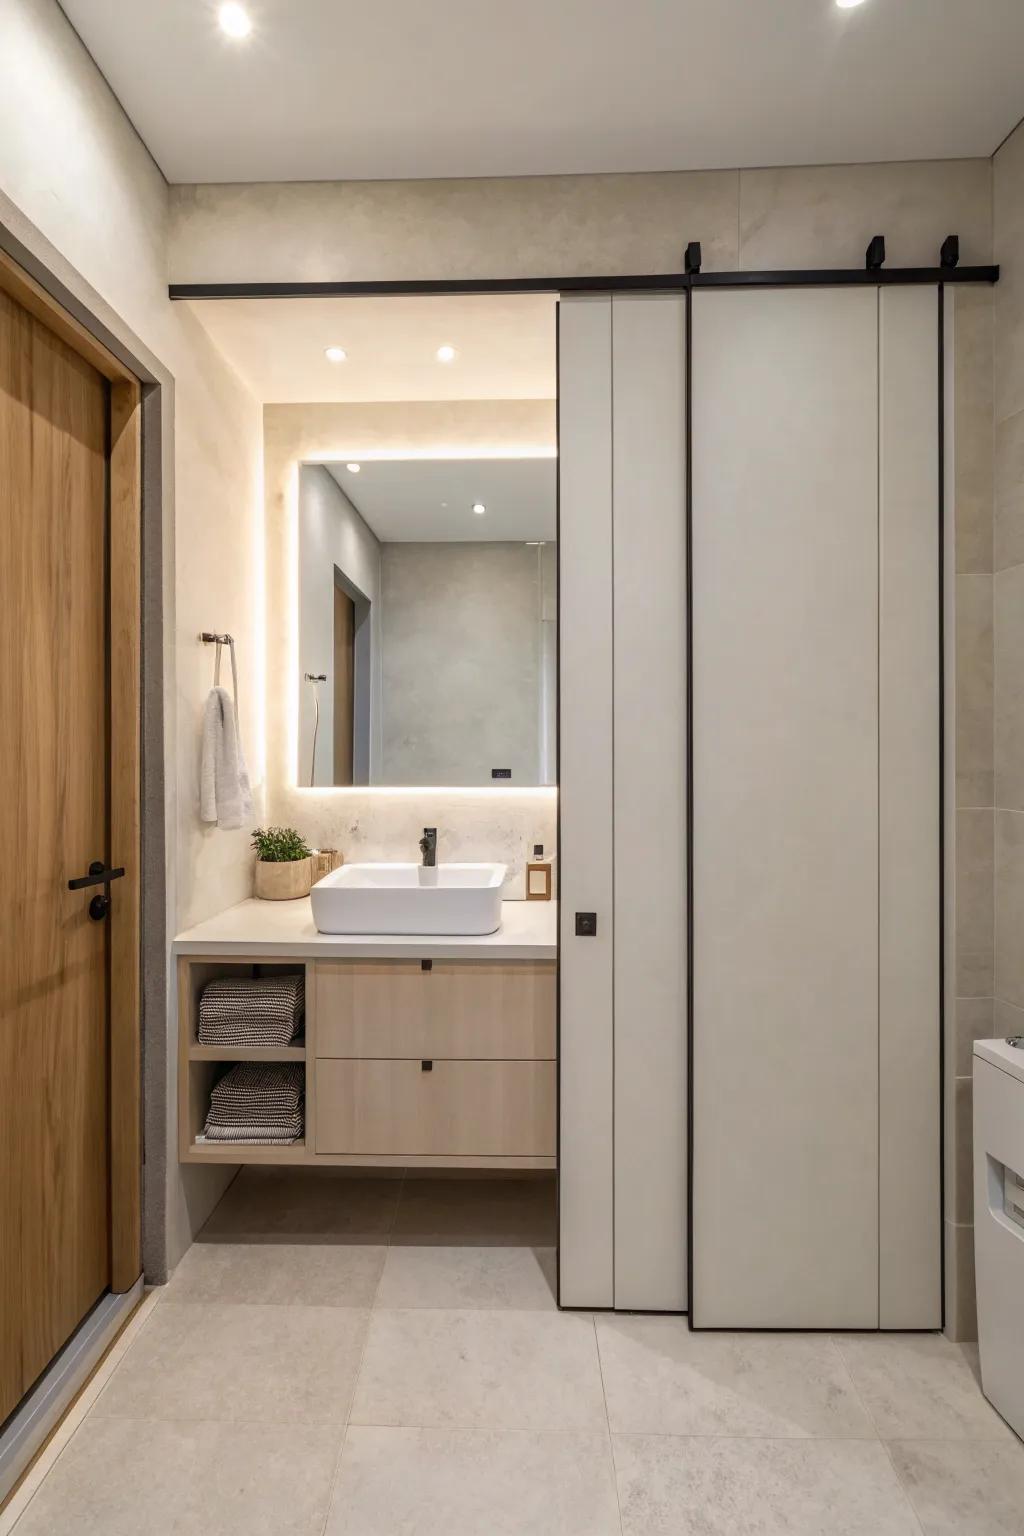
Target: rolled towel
[(257, 1011)]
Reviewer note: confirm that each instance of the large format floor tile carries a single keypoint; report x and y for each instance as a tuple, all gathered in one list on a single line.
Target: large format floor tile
[(708, 1487), (970, 1488), (480, 1370), (125, 1477), (919, 1386), (307, 1202), (661, 1379), (271, 1364), (431, 1482), (495, 1278), (478, 1211), (287, 1274)]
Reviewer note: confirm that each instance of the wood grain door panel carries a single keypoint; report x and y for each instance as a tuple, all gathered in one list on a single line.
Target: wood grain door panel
[(54, 820)]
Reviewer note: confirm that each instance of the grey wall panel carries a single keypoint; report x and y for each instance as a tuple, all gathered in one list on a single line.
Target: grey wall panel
[(649, 457), (785, 763), (910, 1214), (586, 1215)]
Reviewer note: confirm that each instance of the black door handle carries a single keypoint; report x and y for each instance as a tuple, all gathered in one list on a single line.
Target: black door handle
[(98, 874)]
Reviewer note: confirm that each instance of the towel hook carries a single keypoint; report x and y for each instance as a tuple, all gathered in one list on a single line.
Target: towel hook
[(210, 637)]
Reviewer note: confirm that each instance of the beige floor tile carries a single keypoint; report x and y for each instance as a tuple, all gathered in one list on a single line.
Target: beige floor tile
[(270, 1364), (435, 1482), (918, 1386), (76, 1414), (491, 1279), (520, 1212), (125, 1477), (661, 1379), (285, 1274), (965, 1488), (480, 1370), (707, 1487), (309, 1202)]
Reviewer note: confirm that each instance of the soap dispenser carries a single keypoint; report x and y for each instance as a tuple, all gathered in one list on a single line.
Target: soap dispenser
[(538, 876)]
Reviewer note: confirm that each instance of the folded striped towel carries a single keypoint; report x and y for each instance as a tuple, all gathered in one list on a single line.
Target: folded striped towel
[(258, 1010), (258, 1101), (251, 1133)]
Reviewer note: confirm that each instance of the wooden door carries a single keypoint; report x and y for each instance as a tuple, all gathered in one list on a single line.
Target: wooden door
[(344, 685), (55, 709)]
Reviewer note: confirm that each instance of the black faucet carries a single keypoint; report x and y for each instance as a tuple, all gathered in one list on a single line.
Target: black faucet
[(428, 847)]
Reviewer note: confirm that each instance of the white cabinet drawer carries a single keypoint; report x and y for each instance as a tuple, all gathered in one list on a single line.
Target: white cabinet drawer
[(454, 1109)]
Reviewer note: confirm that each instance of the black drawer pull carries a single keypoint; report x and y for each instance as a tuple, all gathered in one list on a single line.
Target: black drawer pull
[(426, 965), (426, 1066)]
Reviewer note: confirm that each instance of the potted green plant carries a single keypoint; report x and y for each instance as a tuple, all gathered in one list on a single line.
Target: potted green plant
[(284, 864)]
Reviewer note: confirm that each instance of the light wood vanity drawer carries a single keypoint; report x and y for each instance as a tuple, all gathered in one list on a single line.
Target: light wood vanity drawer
[(457, 1109), (457, 1009)]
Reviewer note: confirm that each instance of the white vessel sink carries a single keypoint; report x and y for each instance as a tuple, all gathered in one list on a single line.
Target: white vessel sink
[(406, 898)]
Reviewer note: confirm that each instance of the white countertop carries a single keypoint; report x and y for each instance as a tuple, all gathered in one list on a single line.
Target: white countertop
[(529, 931), (1009, 1058)]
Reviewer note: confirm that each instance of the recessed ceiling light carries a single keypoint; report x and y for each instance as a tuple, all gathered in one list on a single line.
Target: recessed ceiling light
[(446, 354), (479, 508), (335, 354), (234, 20), (353, 469), (848, 5)]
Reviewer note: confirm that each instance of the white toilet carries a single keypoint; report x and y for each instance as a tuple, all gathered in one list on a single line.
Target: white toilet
[(999, 1223)]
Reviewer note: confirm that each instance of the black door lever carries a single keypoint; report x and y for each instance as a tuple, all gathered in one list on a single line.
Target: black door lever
[(98, 874)]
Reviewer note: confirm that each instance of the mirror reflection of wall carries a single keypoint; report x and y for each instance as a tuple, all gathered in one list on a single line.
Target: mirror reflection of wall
[(427, 622)]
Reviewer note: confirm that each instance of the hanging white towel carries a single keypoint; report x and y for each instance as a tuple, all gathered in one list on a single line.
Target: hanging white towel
[(225, 796)]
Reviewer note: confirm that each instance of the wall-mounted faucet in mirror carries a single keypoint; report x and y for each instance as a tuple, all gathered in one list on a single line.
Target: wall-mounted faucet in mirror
[(427, 594)]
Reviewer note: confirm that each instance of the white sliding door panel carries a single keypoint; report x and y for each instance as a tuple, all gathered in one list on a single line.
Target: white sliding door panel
[(910, 1213), (785, 765), (586, 1216), (649, 481)]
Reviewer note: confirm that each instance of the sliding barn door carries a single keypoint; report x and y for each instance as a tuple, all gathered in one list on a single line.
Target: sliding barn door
[(816, 809), (622, 742)]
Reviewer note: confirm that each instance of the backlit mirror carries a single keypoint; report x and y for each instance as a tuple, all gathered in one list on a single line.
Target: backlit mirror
[(427, 621)]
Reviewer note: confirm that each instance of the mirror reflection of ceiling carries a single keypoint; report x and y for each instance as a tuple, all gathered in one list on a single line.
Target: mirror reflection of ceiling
[(432, 500), (504, 347)]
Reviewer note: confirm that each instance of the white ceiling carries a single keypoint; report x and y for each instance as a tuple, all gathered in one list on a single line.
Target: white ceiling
[(325, 90), (431, 500), (505, 346)]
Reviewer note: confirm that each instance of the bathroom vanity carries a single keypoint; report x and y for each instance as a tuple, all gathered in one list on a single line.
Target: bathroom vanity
[(419, 1052)]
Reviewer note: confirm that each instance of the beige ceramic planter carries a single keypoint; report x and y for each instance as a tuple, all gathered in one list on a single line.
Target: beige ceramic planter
[(284, 882)]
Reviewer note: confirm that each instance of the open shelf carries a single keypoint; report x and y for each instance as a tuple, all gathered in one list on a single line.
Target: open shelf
[(246, 1152), (200, 1065), (296, 1052)]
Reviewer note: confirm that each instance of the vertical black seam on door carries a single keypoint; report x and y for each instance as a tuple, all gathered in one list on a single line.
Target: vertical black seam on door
[(878, 805), (611, 623), (941, 327), (688, 589), (558, 801)]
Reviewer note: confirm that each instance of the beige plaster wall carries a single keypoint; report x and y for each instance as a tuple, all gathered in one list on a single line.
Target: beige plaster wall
[(551, 226)]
